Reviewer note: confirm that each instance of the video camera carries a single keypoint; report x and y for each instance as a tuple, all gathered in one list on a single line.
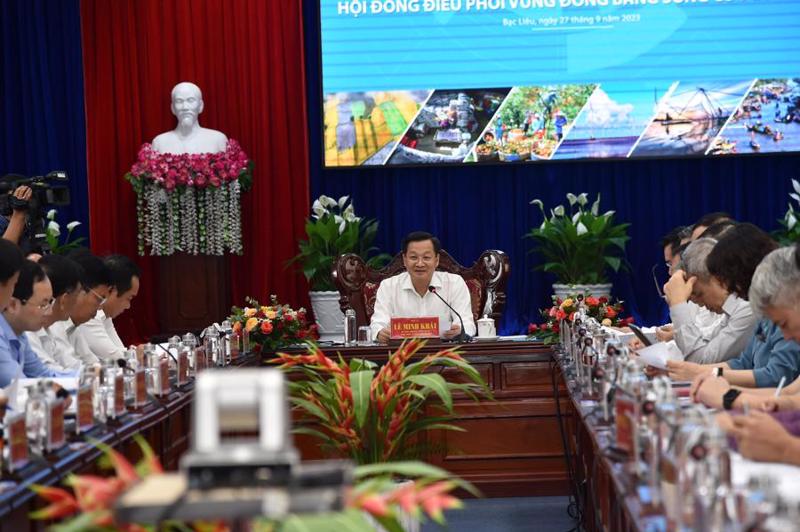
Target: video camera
[(50, 190)]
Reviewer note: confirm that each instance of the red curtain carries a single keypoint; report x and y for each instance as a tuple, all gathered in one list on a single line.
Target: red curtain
[(247, 58)]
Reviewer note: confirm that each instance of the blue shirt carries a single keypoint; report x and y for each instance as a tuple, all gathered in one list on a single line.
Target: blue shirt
[(769, 356), (16, 353)]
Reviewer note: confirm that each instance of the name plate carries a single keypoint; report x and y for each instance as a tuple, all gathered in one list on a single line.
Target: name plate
[(163, 376), (200, 360), (84, 409), (624, 411), (55, 426), (140, 355), (183, 367), (236, 343), (140, 388), (119, 395), (426, 327), (17, 442)]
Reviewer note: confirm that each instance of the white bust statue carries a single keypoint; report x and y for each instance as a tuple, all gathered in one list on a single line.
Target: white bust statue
[(188, 136)]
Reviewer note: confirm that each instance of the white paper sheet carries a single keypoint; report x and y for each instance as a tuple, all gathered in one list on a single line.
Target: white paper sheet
[(657, 355), (787, 477)]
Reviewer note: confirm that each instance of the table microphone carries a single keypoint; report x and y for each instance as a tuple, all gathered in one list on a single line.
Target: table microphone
[(121, 362), (463, 337)]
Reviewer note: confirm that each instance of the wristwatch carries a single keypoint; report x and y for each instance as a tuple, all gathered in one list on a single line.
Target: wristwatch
[(729, 397), (717, 371)]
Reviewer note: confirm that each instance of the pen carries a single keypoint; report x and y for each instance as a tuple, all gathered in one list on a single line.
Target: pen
[(780, 385)]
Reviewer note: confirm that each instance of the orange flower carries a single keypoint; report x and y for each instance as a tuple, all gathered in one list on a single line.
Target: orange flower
[(250, 312), (251, 324), (266, 327), (237, 327)]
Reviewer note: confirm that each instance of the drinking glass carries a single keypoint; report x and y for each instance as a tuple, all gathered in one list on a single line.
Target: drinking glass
[(364, 335)]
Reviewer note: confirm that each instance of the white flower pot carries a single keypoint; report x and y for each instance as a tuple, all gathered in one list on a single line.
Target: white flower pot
[(330, 320), (597, 290)]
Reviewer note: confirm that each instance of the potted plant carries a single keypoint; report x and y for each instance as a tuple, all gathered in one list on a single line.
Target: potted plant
[(333, 230), (376, 415), (789, 233), (580, 246)]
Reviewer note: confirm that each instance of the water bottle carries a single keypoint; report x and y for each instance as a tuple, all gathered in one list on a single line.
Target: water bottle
[(212, 345), (225, 340), (350, 327)]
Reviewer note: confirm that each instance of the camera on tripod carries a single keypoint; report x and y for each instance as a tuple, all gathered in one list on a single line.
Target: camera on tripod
[(50, 190)]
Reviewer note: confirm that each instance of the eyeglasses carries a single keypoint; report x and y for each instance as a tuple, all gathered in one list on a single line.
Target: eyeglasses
[(44, 306), (425, 259), (656, 281), (101, 300)]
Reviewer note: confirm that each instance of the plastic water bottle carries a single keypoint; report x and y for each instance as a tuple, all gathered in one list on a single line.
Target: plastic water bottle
[(350, 327)]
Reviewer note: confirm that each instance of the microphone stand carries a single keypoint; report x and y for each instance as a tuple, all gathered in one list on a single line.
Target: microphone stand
[(462, 337)]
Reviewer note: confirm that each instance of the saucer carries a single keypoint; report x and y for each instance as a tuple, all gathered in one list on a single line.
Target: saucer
[(486, 338)]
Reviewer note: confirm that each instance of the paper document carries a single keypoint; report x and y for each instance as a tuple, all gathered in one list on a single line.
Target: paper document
[(787, 477), (624, 336), (657, 355)]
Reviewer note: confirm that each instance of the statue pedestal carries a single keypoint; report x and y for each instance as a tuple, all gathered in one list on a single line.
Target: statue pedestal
[(195, 292)]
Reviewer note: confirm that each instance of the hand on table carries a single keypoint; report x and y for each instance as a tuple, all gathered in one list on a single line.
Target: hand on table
[(452, 332), (665, 333), (761, 437), (634, 344), (383, 336), (708, 389)]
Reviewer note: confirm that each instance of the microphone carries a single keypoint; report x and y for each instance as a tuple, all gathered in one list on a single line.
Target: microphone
[(463, 337), (121, 362), (167, 352)]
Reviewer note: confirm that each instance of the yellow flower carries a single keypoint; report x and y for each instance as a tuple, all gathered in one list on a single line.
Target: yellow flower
[(270, 313), (567, 303), (606, 322), (251, 324), (265, 309), (249, 312)]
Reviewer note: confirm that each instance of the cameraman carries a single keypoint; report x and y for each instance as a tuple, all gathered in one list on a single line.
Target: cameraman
[(13, 227)]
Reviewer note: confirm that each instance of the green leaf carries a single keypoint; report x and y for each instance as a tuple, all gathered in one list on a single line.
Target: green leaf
[(614, 262), (405, 469), (436, 383), (313, 432), (311, 408), (360, 382)]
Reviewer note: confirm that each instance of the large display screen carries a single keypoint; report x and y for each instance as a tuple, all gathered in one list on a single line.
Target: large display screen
[(479, 81)]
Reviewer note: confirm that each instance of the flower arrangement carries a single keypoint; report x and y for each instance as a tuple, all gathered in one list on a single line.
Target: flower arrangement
[(189, 202), (373, 414), (333, 230), (790, 229), (90, 505), (52, 234), (272, 326), (602, 309), (581, 245)]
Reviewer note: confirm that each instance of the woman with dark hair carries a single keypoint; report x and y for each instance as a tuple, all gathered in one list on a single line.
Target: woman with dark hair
[(11, 260), (769, 356)]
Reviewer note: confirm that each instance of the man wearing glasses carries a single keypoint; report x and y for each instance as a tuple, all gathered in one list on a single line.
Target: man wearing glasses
[(407, 295), (92, 294), (30, 304)]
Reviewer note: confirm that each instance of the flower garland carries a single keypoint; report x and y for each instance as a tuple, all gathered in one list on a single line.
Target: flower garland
[(190, 202), (601, 309)]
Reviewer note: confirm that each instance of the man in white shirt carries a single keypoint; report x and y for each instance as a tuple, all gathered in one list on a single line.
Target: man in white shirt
[(99, 332), (407, 295), (51, 343), (734, 329)]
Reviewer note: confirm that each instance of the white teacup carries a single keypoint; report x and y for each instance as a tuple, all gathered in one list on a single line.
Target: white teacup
[(486, 327)]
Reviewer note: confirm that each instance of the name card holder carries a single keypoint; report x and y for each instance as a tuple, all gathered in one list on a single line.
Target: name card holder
[(55, 426), (17, 442), (624, 412), (140, 388), (119, 396), (425, 327), (140, 359), (163, 377), (183, 367), (84, 409)]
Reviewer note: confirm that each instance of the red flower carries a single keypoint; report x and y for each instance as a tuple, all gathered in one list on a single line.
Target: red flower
[(603, 300), (556, 328), (628, 320), (611, 313), (532, 328), (592, 301), (288, 317), (266, 327), (560, 315), (572, 316), (552, 312)]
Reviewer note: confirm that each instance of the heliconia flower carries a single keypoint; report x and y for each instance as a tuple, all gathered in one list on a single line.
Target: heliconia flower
[(93, 492), (126, 472), (373, 504), (63, 504)]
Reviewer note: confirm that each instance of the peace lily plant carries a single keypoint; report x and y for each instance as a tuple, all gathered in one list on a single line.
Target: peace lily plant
[(578, 244), (53, 235), (790, 229)]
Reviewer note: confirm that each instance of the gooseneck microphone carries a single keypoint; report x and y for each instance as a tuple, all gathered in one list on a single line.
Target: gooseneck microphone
[(463, 337), (121, 362)]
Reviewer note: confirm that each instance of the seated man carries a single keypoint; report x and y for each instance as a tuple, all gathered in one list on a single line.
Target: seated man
[(51, 344), (407, 295), (11, 260), (31, 303), (92, 295), (737, 322), (99, 332)]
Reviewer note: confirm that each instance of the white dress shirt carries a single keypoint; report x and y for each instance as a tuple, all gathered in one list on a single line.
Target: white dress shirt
[(102, 338), (53, 347), (718, 343), (67, 329), (396, 298)]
